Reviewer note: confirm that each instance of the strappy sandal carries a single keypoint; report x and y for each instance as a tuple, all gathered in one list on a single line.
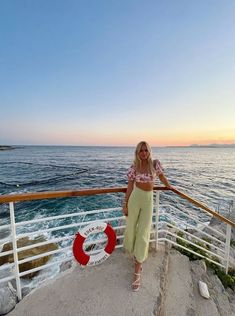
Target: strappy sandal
[(136, 284)]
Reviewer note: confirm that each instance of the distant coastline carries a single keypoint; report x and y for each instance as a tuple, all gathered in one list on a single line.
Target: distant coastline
[(3, 147), (8, 147), (206, 146)]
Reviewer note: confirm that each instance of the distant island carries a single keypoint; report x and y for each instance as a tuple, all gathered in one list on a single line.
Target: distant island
[(3, 147)]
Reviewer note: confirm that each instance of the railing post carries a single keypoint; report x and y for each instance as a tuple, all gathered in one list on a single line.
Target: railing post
[(156, 204), (15, 254), (227, 247)]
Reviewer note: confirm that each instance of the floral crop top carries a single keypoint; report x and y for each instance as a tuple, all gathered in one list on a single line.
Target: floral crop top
[(133, 175)]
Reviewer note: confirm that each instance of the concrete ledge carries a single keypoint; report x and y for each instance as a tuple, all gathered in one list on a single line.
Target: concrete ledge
[(100, 290)]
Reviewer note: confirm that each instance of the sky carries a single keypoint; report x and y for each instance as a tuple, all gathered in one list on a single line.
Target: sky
[(115, 72)]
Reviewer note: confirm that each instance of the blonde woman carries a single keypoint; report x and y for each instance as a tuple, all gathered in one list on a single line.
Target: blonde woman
[(138, 206)]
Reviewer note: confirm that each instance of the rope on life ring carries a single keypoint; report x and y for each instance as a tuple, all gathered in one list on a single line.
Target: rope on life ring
[(96, 227)]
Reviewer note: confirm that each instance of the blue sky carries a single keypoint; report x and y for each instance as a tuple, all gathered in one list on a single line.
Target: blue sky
[(116, 72)]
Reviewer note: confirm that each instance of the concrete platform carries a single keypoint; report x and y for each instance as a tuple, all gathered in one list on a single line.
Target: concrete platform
[(101, 290)]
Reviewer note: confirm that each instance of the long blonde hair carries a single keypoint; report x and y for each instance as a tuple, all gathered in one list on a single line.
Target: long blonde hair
[(137, 161)]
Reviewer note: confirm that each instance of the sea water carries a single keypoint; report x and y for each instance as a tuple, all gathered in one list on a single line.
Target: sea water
[(205, 173)]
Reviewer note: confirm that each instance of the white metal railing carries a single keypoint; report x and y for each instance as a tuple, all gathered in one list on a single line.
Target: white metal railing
[(176, 225)]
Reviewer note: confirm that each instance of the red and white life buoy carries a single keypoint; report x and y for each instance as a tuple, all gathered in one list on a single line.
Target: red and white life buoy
[(101, 256)]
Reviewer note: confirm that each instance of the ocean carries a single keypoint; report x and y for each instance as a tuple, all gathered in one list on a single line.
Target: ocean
[(206, 174)]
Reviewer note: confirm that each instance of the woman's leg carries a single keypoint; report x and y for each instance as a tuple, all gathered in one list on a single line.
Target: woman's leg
[(131, 222), (144, 227)]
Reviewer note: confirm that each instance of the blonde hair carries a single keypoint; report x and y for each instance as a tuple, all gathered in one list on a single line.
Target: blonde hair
[(137, 161)]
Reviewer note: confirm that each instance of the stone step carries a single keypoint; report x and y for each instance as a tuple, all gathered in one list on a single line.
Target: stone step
[(179, 288), (101, 290), (182, 297)]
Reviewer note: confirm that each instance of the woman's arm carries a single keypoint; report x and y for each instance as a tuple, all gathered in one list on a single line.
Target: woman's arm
[(128, 193), (164, 180)]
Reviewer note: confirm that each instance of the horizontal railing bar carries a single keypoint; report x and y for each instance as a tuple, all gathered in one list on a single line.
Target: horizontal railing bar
[(66, 216), (5, 226), (191, 235), (63, 194), (188, 212), (195, 253), (42, 267), (43, 243), (44, 254), (194, 227), (56, 262), (86, 244), (7, 279), (55, 240), (191, 243), (6, 266), (66, 227), (196, 220), (197, 238), (6, 253), (204, 207), (182, 212), (53, 263)]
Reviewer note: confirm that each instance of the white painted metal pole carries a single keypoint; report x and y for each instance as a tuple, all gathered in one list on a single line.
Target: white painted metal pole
[(227, 247), (156, 204), (14, 247)]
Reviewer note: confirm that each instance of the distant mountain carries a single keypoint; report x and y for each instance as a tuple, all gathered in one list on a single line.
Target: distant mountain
[(213, 145), (205, 146)]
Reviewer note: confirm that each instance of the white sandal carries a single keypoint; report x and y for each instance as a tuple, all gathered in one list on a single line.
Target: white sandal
[(136, 284)]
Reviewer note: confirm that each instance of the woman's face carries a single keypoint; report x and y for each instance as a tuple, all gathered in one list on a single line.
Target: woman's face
[(143, 153)]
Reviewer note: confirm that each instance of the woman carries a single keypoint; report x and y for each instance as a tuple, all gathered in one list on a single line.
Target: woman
[(138, 205)]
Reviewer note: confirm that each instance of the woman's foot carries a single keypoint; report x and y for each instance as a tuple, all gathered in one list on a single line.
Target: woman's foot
[(138, 270), (136, 284)]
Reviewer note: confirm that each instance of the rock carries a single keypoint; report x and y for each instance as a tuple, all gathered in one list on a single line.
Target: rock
[(203, 289), (25, 291), (221, 302), (219, 294), (4, 147), (65, 266), (8, 299), (29, 253), (7, 272)]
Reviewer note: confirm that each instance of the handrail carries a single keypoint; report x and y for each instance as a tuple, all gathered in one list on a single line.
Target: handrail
[(74, 193), (15, 234), (204, 207), (62, 194)]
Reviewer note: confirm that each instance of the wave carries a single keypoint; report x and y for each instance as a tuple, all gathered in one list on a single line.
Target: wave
[(71, 173)]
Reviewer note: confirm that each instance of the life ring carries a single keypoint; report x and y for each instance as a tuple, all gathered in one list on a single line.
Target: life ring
[(96, 227)]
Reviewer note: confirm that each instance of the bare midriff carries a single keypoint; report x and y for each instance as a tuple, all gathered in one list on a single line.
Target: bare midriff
[(146, 186)]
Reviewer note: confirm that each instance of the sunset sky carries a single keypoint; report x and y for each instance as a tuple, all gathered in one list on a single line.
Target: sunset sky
[(114, 72)]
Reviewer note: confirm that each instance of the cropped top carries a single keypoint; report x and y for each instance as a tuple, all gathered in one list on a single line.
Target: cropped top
[(133, 175)]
